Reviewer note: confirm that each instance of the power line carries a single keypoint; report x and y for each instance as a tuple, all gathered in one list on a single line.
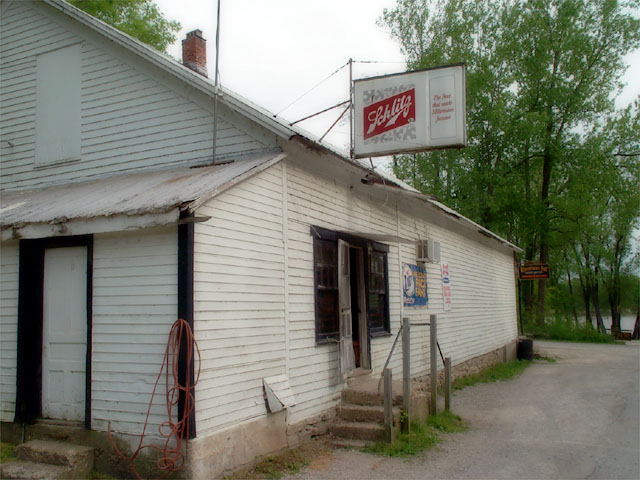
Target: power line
[(379, 61), (311, 89)]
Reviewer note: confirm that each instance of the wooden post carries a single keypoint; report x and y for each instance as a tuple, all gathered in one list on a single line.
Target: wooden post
[(433, 363), (406, 374), (389, 431), (447, 384)]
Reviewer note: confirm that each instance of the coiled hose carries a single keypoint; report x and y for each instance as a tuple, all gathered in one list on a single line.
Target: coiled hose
[(176, 434)]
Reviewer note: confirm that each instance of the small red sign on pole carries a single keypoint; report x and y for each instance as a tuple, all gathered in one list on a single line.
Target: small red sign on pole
[(534, 271)]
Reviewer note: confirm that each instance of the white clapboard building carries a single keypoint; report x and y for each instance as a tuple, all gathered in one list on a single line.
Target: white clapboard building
[(115, 222)]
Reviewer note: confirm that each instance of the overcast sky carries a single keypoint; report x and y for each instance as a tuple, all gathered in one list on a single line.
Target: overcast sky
[(273, 51)]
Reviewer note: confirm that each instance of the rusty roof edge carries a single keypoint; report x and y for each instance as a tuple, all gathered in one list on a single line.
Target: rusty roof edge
[(159, 217), (138, 212)]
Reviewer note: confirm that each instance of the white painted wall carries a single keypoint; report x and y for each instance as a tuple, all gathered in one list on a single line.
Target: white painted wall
[(9, 261), (328, 203), (239, 300), (255, 310), (483, 317), (133, 116), (134, 305)]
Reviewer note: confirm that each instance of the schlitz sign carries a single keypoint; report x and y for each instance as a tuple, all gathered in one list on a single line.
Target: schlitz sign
[(390, 113), (533, 271), (410, 112)]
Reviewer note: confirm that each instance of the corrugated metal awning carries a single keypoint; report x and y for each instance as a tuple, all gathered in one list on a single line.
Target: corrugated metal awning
[(136, 194)]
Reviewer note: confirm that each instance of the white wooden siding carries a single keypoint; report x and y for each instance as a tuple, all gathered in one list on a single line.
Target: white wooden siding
[(134, 306), (327, 203), (9, 259), (483, 315), (130, 119), (239, 300)]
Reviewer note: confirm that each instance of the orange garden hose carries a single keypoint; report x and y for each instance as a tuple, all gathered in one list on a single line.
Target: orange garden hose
[(175, 434)]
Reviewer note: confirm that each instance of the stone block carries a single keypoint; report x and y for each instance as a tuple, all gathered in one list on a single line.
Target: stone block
[(31, 470), (77, 458)]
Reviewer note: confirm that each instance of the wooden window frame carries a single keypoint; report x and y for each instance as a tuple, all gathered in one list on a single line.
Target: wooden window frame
[(322, 234), (384, 330)]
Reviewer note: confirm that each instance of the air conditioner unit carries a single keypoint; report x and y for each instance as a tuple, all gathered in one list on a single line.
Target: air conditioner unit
[(428, 251), (433, 251)]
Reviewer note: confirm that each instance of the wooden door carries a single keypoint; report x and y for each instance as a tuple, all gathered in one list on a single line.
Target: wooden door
[(347, 358), (64, 349)]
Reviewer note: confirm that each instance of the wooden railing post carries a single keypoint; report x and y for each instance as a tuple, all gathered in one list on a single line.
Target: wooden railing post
[(433, 363), (447, 384), (389, 431), (406, 374)]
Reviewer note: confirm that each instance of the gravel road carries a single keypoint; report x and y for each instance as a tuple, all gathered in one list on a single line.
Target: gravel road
[(576, 418)]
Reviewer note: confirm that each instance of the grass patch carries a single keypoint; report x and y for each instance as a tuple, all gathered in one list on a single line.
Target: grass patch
[(421, 437), (95, 475), (568, 331), (447, 422), (498, 372), (291, 461), (6, 452)]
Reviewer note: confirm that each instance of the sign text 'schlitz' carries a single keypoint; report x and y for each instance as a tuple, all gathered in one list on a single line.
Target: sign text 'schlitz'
[(390, 113)]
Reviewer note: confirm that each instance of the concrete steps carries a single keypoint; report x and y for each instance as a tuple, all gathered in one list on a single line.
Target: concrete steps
[(368, 431), (39, 459), (35, 471), (364, 413), (360, 418), (350, 443), (365, 397)]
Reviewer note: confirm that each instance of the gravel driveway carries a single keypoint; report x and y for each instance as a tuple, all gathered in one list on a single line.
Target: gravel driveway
[(576, 418)]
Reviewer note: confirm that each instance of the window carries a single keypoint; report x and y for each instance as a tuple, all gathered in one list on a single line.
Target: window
[(326, 273), (58, 106), (376, 285), (377, 298)]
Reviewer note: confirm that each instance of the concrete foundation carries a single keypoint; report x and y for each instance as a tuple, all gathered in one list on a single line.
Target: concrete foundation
[(305, 430), (242, 445), (506, 353), (236, 447)]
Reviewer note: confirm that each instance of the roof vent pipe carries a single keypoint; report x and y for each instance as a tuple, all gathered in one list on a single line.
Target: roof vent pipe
[(194, 52)]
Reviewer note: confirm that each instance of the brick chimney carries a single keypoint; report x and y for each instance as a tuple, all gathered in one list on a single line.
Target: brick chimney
[(194, 52)]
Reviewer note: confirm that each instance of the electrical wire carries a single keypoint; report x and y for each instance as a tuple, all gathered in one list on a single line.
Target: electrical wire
[(176, 434), (311, 89), (379, 61)]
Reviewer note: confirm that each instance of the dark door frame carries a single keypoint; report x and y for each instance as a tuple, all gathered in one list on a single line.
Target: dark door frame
[(30, 324)]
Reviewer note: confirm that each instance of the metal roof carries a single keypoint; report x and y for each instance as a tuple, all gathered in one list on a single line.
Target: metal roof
[(233, 100), (250, 110), (132, 194)]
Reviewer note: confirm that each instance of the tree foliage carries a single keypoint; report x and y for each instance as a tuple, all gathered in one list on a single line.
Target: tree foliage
[(142, 19), (550, 164)]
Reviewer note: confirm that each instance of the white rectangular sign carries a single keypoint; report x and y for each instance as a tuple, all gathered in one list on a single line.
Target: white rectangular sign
[(410, 112), (446, 288)]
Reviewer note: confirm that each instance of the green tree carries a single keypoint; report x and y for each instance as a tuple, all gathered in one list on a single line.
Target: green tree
[(541, 74), (142, 19)]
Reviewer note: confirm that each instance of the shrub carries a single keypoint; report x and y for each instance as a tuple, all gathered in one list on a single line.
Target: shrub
[(567, 330)]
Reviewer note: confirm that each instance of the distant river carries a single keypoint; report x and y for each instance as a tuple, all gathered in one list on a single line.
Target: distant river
[(626, 321)]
